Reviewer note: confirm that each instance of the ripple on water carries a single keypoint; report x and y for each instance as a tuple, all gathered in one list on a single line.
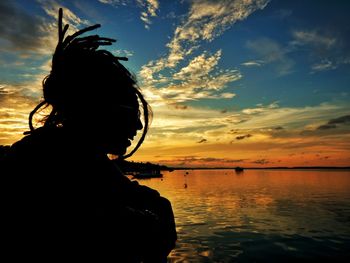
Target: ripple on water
[(259, 216)]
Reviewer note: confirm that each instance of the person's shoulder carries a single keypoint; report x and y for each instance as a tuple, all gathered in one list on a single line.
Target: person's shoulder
[(43, 151), (42, 140)]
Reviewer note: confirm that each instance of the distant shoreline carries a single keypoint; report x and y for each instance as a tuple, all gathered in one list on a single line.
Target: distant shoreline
[(267, 168)]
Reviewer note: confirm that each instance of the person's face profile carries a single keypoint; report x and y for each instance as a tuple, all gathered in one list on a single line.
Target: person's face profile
[(120, 127)]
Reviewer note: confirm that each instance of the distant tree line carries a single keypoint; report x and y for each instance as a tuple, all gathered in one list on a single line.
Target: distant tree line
[(129, 167)]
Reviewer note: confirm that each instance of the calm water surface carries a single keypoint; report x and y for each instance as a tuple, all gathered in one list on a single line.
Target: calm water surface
[(259, 215)]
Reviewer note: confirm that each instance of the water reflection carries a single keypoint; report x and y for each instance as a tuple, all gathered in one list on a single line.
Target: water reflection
[(258, 215)]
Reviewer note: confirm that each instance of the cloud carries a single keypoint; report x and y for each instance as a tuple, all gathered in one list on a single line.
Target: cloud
[(328, 48), (192, 119), (304, 37), (14, 111), (202, 140), (180, 107), (123, 53), (276, 129), (340, 120), (261, 161), (199, 67), (75, 23), (269, 116), (179, 132), (327, 127), (118, 3), (334, 123), (19, 30), (31, 34), (323, 65), (199, 79), (271, 52), (115, 2), (326, 51), (273, 127), (243, 137), (151, 7), (17, 101), (260, 108), (51, 8), (256, 63), (5, 91), (205, 21)]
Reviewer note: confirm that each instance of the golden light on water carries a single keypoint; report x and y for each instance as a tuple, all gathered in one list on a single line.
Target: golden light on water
[(223, 214)]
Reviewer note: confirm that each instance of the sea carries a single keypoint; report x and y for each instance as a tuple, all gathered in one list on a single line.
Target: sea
[(259, 215)]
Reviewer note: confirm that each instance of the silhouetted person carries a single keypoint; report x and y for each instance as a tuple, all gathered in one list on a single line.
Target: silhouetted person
[(64, 198)]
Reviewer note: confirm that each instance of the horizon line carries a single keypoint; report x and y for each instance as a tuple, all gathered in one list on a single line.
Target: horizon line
[(256, 168)]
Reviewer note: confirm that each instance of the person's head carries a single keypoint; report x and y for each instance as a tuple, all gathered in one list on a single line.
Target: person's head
[(90, 91)]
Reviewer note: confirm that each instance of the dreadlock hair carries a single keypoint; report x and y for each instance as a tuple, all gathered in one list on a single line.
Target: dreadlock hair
[(82, 75)]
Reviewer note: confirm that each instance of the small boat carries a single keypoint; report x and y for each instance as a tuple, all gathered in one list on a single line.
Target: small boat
[(239, 169), (148, 174)]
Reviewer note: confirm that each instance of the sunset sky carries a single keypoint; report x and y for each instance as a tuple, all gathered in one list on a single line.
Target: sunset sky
[(251, 83)]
